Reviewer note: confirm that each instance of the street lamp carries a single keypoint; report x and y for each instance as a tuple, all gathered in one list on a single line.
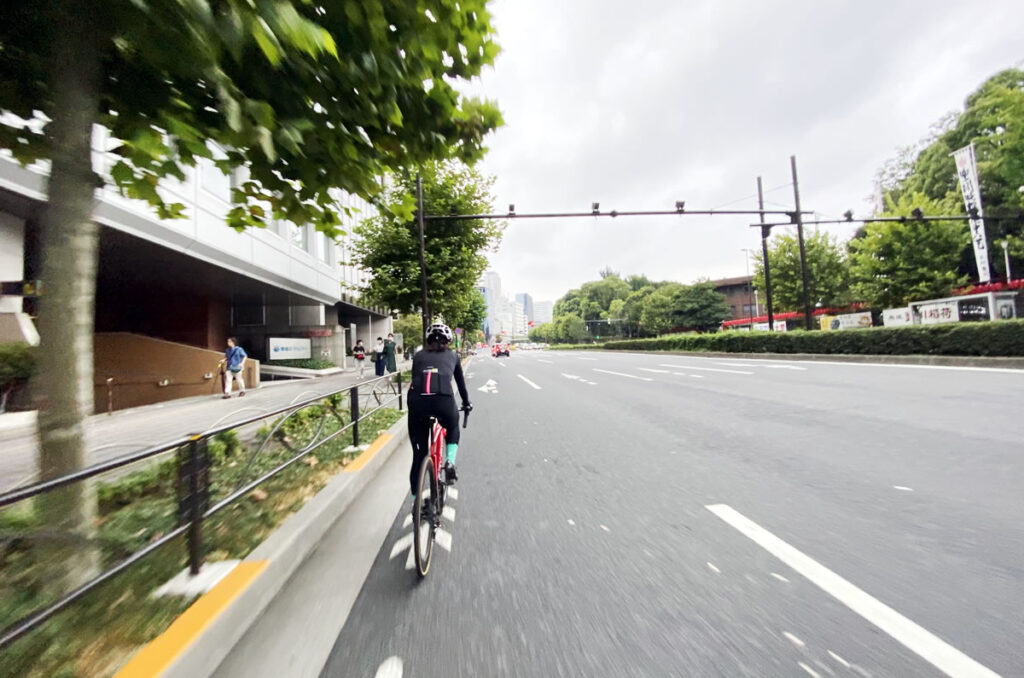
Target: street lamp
[(1006, 257)]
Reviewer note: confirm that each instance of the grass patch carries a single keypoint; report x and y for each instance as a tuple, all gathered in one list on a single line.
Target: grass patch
[(306, 364), (97, 635)]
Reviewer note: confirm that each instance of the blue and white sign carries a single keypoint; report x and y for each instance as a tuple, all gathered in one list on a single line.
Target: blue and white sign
[(286, 348)]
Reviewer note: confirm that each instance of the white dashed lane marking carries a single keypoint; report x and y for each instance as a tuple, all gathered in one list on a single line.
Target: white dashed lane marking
[(623, 374), (528, 381), (705, 369), (714, 569), (390, 668), (925, 644)]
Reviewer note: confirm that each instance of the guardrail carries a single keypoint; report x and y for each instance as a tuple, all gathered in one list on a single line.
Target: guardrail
[(193, 488)]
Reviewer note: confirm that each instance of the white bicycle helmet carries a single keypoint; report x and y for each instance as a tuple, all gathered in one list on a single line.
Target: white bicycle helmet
[(440, 333)]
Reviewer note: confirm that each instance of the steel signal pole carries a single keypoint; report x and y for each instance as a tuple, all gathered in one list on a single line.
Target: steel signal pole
[(765, 232), (803, 252)]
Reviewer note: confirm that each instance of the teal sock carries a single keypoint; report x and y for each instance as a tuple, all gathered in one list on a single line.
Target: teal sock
[(452, 449)]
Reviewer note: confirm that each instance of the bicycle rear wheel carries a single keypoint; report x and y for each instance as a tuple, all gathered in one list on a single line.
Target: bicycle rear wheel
[(423, 517)]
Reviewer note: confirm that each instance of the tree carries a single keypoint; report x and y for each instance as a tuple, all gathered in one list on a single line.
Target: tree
[(893, 263), (544, 333), (828, 271), (633, 308), (701, 307), (571, 329), (658, 314), (411, 329), (472, 319), (308, 97), (455, 251)]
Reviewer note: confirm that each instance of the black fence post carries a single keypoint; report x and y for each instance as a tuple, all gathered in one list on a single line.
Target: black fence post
[(399, 391), (354, 398), (193, 497)]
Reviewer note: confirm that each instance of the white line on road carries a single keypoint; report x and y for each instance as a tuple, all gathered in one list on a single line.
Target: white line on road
[(605, 528), (448, 513), (541, 360), (590, 359), (528, 381), (408, 520), (571, 521), (916, 638), (443, 539), (453, 492), (390, 668), (403, 543), (569, 376), (811, 672), (683, 374), (410, 561), (623, 374), (780, 577), (647, 369), (713, 568), (904, 488), (793, 639), (705, 369), (502, 365), (839, 659)]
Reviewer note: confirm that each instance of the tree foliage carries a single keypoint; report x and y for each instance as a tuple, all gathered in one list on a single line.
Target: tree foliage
[(895, 262), (455, 250), (472, 319), (828, 271)]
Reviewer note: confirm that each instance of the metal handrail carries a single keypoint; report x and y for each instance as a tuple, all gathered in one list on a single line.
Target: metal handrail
[(29, 491), (192, 527)]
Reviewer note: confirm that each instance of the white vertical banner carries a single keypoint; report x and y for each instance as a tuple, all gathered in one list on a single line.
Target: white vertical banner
[(967, 170)]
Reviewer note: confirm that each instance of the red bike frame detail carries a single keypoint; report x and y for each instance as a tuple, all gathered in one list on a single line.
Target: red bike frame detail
[(438, 439)]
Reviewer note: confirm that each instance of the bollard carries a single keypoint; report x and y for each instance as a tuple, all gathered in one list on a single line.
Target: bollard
[(354, 398)]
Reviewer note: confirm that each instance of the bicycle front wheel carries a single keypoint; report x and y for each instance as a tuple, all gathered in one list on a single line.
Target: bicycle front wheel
[(423, 517)]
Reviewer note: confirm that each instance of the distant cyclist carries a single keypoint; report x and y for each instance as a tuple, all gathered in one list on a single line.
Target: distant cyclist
[(431, 395)]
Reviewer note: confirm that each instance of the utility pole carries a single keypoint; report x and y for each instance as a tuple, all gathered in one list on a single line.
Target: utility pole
[(423, 256), (765, 232), (803, 252), (1006, 259)]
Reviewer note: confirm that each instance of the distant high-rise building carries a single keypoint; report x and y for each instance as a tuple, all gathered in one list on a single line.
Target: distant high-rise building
[(490, 287), (526, 301), (543, 312)]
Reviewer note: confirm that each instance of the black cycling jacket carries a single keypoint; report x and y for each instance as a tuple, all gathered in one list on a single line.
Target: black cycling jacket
[(432, 373)]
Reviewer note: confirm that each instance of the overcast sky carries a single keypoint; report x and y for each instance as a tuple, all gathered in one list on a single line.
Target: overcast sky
[(639, 104)]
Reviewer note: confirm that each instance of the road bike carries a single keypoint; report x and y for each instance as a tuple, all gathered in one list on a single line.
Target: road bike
[(432, 490)]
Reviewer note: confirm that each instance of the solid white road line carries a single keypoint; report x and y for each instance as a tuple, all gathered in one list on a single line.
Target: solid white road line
[(623, 374), (528, 381), (683, 374), (713, 568), (605, 528), (780, 577), (705, 369), (903, 488), (569, 376), (502, 365), (647, 369), (590, 359), (541, 360), (391, 668), (928, 646), (839, 659), (811, 672)]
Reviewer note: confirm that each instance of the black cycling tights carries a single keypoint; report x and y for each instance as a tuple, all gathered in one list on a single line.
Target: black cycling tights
[(421, 408)]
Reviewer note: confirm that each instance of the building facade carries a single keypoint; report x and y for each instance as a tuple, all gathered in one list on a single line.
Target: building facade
[(526, 301), (740, 295), (194, 281), (543, 312)]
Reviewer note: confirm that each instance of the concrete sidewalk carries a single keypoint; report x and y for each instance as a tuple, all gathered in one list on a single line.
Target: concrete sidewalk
[(126, 431)]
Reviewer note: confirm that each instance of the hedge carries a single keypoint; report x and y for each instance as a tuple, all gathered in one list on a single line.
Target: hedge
[(304, 363), (994, 338)]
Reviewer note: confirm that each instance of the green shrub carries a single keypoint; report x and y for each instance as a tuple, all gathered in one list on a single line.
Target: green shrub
[(998, 338), (305, 364), (17, 363)]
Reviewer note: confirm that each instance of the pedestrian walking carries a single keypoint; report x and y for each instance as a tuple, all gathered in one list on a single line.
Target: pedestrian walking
[(389, 354), (359, 353), (234, 363), (378, 357)]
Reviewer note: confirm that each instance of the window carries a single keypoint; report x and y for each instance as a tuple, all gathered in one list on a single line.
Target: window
[(299, 235), (325, 249), (247, 310), (213, 181)]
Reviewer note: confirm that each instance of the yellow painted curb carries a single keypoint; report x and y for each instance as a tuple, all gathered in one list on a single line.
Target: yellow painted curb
[(154, 658), (364, 458)]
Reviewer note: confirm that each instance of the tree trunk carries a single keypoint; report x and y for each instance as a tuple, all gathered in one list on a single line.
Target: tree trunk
[(70, 249)]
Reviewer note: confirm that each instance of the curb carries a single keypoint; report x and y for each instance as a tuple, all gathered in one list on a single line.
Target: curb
[(933, 360), (283, 552)]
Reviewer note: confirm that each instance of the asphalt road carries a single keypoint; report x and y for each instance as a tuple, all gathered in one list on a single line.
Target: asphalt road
[(646, 515)]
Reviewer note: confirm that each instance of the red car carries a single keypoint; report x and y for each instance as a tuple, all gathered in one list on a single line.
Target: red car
[(499, 350)]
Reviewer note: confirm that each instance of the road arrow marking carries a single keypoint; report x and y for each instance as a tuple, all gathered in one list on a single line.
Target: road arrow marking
[(490, 387)]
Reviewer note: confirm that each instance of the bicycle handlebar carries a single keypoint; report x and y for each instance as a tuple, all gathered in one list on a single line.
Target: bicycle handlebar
[(465, 416)]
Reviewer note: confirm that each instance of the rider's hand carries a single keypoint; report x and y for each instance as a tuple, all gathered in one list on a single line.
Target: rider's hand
[(468, 407)]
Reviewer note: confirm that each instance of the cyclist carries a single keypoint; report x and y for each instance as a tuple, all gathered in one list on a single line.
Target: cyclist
[(431, 395)]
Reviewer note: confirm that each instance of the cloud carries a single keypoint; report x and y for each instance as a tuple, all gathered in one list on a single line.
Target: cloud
[(637, 105)]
